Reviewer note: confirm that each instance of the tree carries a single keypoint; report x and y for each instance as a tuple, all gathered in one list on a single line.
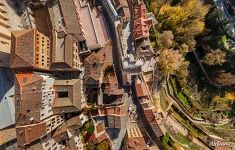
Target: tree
[(225, 78), (182, 73), (169, 61), (215, 57), (184, 48), (165, 40), (102, 146), (184, 20)]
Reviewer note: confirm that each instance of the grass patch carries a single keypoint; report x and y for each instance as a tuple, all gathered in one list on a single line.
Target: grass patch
[(181, 95), (183, 99)]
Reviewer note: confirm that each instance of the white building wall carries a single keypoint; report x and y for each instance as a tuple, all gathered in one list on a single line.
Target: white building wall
[(78, 142), (49, 143), (54, 122), (48, 95)]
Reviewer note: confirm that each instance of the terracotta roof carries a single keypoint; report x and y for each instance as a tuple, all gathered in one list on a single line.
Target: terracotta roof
[(111, 86), (141, 90), (22, 48), (28, 97), (70, 17), (156, 128), (153, 122), (142, 24), (135, 140), (101, 137), (60, 132), (71, 102), (95, 63), (90, 137), (149, 114), (114, 110), (99, 128), (30, 133), (140, 11), (74, 121), (62, 58), (136, 143)]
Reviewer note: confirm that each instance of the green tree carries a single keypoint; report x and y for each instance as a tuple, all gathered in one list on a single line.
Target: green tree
[(89, 127)]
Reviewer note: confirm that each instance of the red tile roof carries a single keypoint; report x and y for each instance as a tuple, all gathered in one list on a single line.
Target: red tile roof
[(111, 87), (141, 89), (101, 138), (142, 24), (22, 48), (30, 133), (28, 95), (136, 143), (95, 63)]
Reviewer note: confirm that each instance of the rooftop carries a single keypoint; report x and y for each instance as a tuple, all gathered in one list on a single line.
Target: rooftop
[(119, 110), (68, 95), (28, 97), (70, 17), (135, 140), (96, 63), (25, 134), (111, 86), (141, 90), (22, 48), (142, 22), (92, 20)]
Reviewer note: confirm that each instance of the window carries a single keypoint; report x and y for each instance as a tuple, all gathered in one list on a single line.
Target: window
[(63, 94)]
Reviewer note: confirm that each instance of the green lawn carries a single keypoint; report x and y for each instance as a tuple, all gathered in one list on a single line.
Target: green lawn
[(184, 99)]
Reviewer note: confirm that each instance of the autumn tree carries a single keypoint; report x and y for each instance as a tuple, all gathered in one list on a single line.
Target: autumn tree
[(215, 57), (102, 146), (182, 73), (165, 40), (184, 20), (169, 61)]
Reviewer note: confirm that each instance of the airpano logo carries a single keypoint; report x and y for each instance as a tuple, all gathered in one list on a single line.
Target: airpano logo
[(219, 143)]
